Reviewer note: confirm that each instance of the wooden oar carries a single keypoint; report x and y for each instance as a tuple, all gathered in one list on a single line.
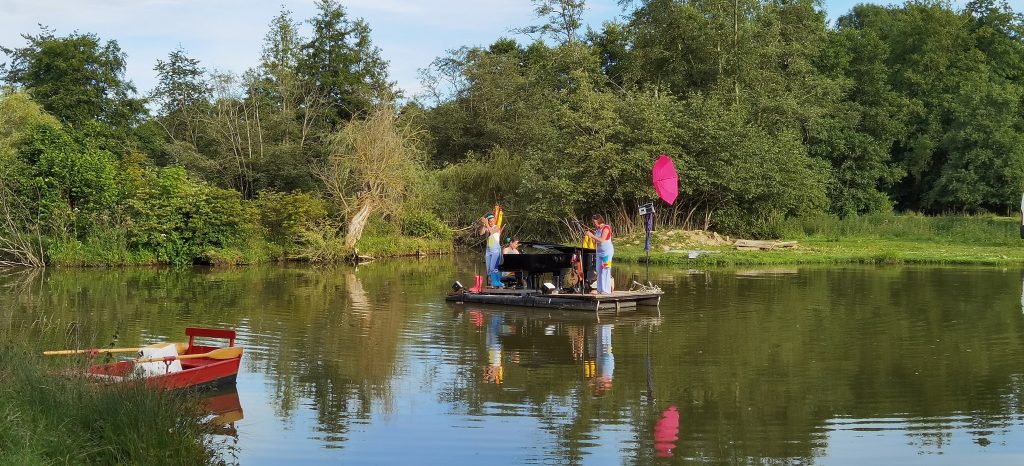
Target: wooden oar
[(180, 346), (221, 353)]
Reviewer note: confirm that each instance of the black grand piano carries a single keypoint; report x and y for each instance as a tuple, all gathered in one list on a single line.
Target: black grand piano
[(538, 259)]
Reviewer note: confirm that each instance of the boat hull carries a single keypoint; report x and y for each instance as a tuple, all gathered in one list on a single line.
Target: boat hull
[(196, 372)]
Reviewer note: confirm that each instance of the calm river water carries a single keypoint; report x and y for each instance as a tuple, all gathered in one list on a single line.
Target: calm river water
[(841, 365)]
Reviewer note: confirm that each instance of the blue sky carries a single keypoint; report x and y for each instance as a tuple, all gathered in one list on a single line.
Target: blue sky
[(227, 34)]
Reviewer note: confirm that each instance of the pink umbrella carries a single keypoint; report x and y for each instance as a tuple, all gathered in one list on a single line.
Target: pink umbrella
[(665, 179)]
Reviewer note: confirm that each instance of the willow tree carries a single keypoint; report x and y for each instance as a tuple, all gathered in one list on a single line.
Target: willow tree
[(372, 167)]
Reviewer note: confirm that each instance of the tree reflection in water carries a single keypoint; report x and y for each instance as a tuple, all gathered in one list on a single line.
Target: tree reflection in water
[(779, 368)]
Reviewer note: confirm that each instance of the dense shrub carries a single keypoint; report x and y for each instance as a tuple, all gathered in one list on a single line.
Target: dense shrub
[(180, 219), (72, 178), (424, 224), (287, 215)]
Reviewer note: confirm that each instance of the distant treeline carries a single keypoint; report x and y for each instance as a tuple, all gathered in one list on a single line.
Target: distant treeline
[(769, 110)]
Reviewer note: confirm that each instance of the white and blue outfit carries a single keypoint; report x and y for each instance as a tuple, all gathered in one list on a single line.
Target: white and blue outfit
[(493, 340), (603, 259), (492, 256), (605, 358)]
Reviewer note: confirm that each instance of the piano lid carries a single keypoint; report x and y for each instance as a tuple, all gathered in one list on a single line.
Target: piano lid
[(553, 247)]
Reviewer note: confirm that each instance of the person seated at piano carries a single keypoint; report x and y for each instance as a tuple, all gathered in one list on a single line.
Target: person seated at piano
[(493, 253), (512, 247), (511, 278), (602, 236)]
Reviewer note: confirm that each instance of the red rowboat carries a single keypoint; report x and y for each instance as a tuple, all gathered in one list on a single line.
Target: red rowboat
[(208, 370)]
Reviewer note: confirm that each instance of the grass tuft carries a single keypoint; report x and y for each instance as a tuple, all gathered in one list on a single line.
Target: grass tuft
[(51, 419)]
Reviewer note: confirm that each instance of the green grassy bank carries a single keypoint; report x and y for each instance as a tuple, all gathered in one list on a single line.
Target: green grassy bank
[(50, 419), (321, 248), (873, 239)]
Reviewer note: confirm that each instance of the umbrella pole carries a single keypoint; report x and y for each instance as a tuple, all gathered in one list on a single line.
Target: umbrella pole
[(650, 374), (648, 254), (649, 229)]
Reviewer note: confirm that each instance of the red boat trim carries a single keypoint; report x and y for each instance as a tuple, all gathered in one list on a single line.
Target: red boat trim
[(194, 332)]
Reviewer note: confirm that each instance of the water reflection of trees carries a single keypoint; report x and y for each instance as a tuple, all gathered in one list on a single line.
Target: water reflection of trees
[(760, 367), (326, 336), (557, 369), (764, 363), (339, 332)]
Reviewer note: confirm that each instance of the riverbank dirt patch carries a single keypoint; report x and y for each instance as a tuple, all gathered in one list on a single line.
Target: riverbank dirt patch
[(677, 240)]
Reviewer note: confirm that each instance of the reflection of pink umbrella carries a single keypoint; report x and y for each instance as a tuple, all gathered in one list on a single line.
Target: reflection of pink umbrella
[(666, 432), (665, 179)]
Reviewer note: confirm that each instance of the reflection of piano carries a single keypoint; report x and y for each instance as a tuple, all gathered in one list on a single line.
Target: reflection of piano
[(538, 259)]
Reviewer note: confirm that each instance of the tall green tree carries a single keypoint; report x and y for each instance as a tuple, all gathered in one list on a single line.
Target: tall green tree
[(985, 138), (77, 78), (612, 45), (293, 111), (857, 137), (282, 51), (958, 72), (999, 33), (182, 96), (501, 95), (562, 20), (341, 61), (674, 46)]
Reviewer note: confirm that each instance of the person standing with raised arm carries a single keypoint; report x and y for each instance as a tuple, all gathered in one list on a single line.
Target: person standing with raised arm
[(602, 236), (493, 252)]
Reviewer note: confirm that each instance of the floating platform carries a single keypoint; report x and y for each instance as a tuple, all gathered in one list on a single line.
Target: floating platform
[(617, 301), (641, 316)]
